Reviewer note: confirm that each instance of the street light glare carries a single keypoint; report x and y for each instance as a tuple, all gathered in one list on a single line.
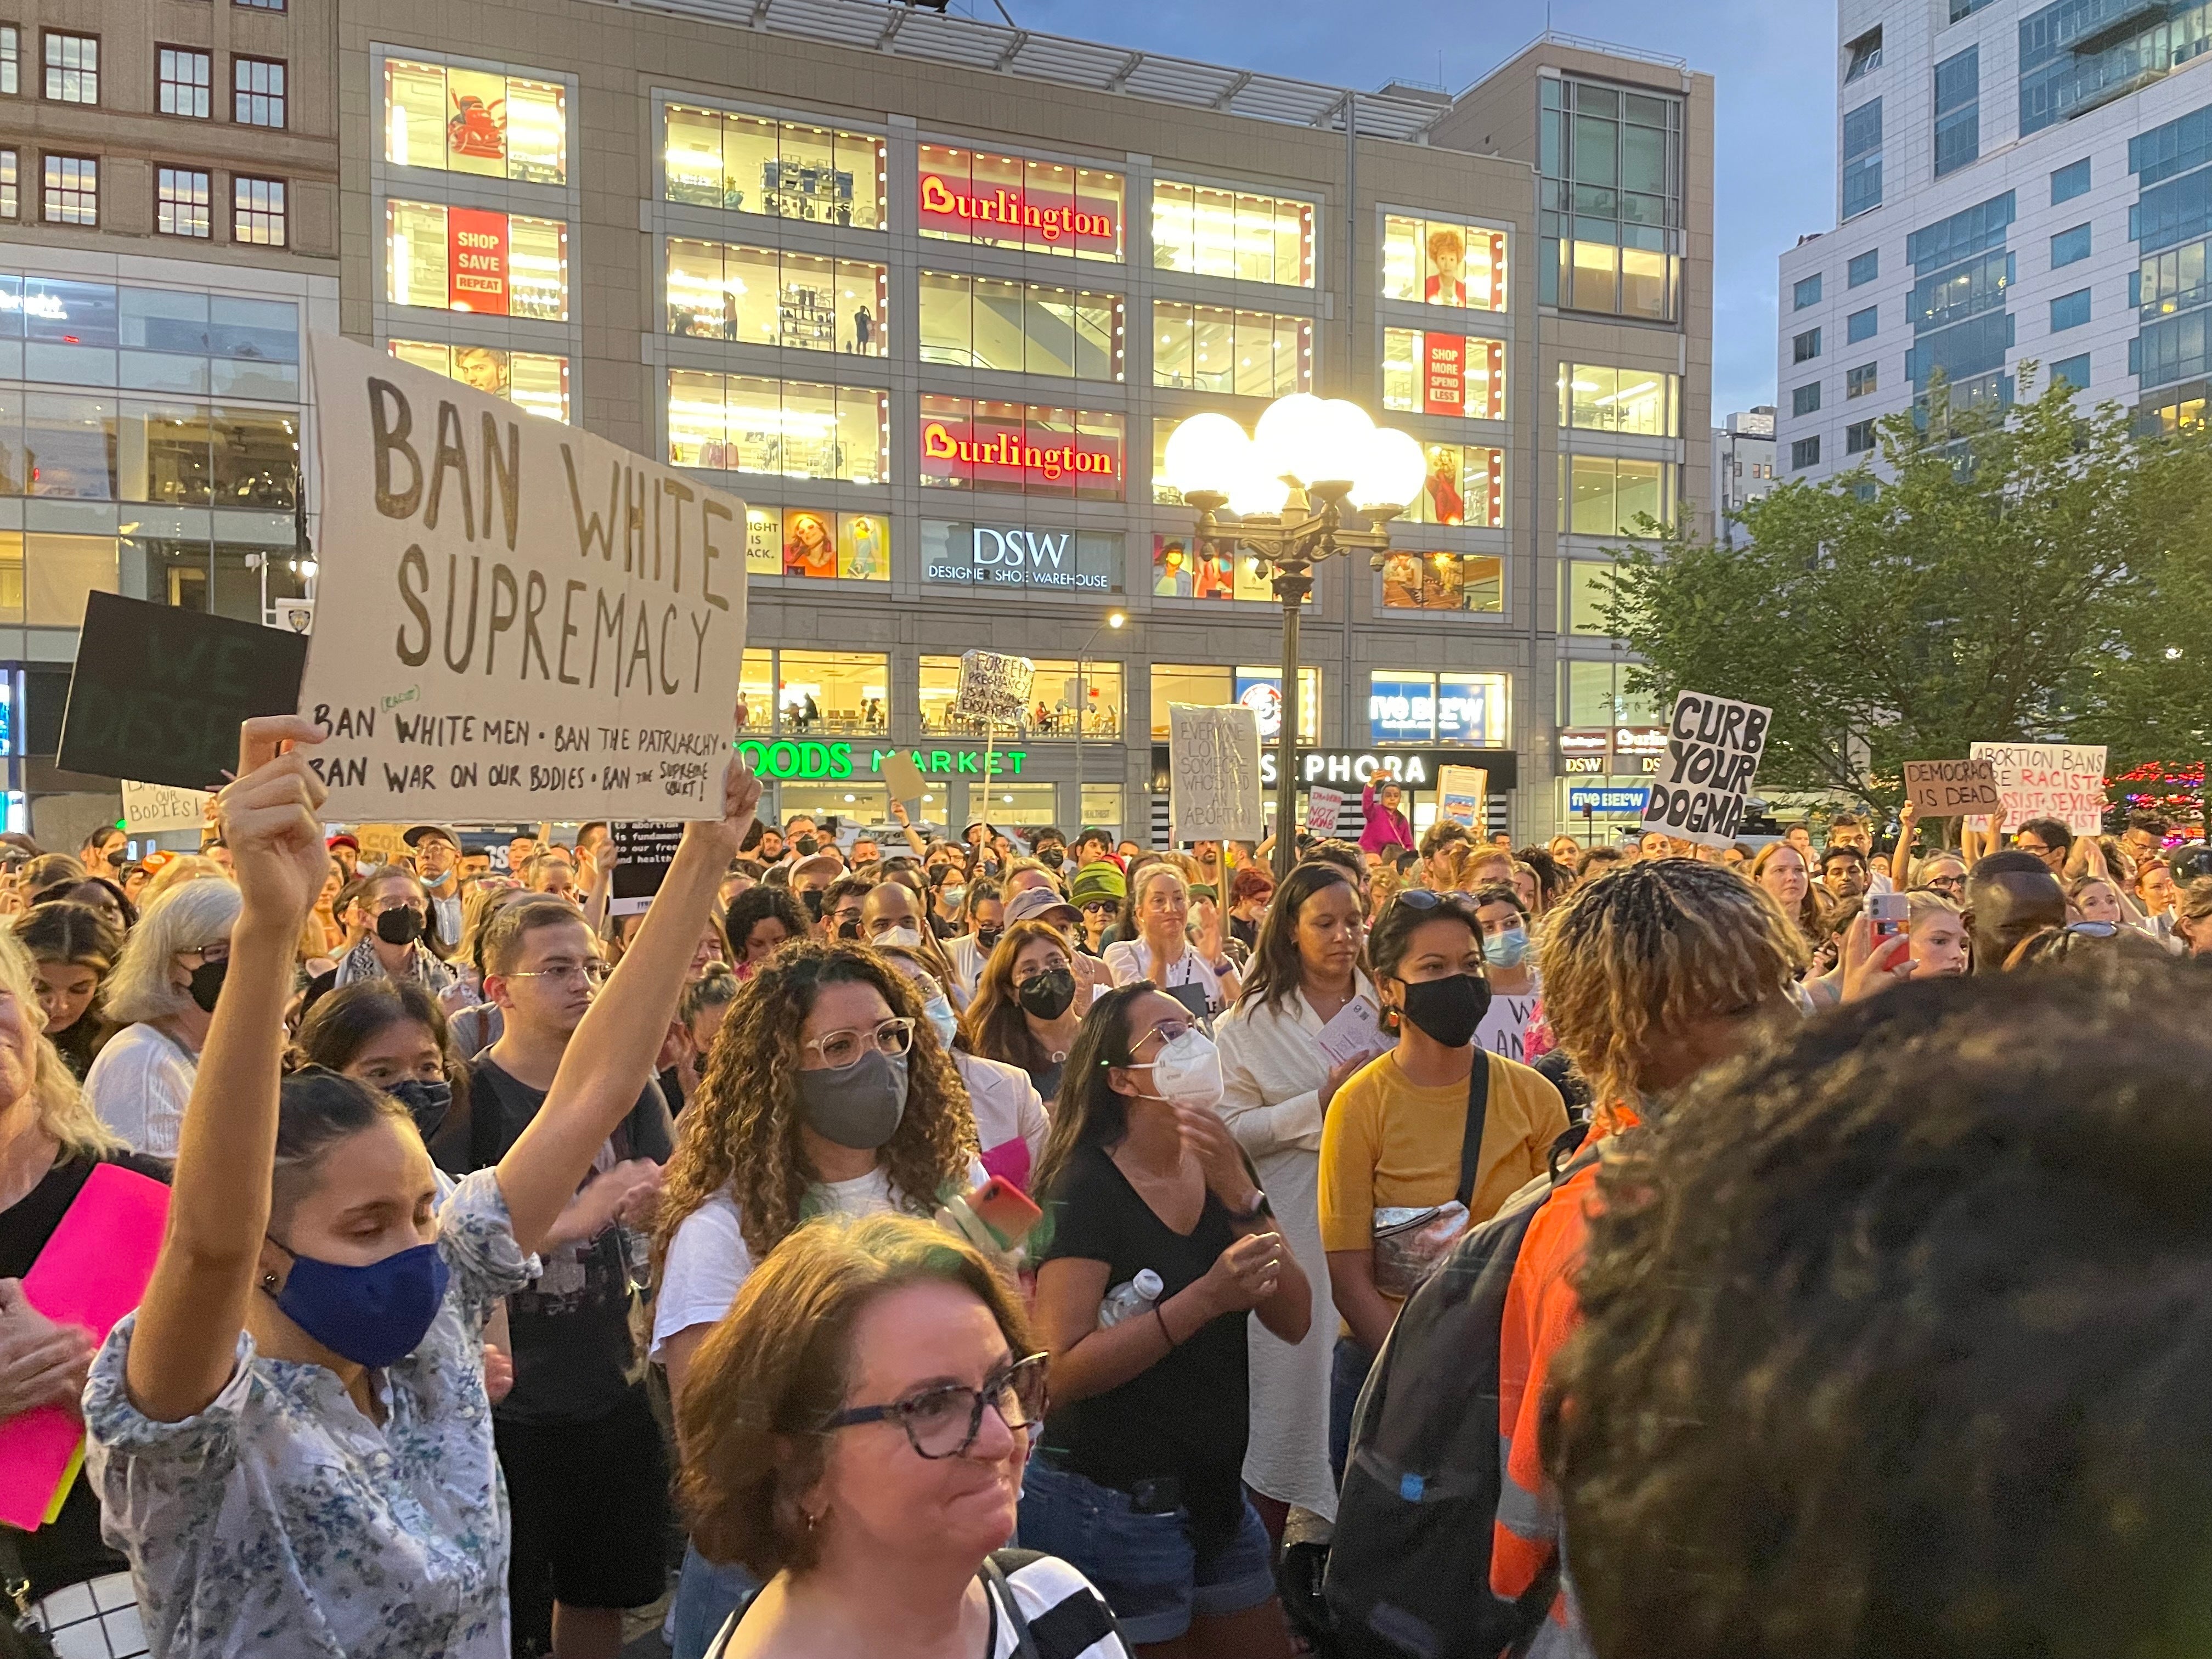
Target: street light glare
[(1206, 453), (1391, 469), (1115, 619)]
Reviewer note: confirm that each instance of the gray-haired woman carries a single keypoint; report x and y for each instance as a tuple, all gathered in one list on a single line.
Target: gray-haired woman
[(163, 993)]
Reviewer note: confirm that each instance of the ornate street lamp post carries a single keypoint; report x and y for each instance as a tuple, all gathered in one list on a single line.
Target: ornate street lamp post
[(1288, 490)]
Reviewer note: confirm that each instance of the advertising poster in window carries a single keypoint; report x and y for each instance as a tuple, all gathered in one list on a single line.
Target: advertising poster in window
[(1182, 570), (475, 260), (1444, 374), (516, 619)]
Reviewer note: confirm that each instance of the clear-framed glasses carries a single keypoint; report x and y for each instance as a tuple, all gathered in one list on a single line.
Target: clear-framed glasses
[(218, 951), (2094, 929), (838, 1049), (568, 973), (943, 1421)]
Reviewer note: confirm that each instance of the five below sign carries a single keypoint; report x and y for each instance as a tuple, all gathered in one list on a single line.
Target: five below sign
[(788, 758)]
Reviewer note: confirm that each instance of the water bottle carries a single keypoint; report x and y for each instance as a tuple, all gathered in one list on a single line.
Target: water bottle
[(637, 1258), (1127, 1301)]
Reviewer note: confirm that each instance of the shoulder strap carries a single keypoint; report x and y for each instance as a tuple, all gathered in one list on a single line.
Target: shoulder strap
[(1478, 1114), (995, 1577)]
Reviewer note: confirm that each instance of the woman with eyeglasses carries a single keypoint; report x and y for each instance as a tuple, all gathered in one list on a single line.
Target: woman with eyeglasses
[(1159, 1242), (828, 1092), (855, 1434), (162, 995), (1023, 1010)]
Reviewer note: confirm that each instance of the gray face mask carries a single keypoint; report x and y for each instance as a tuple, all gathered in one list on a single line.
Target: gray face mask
[(859, 1106)]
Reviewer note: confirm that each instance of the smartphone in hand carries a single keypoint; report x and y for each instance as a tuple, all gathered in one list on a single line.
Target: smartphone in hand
[(1889, 912)]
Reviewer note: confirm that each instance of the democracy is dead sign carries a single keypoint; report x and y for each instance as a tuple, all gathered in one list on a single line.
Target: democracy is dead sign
[(514, 619)]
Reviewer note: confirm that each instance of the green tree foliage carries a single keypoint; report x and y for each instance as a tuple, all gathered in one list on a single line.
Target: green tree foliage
[(2034, 573)]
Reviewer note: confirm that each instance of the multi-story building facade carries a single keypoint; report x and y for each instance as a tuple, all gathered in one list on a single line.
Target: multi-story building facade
[(1743, 468), (168, 234), (2018, 182)]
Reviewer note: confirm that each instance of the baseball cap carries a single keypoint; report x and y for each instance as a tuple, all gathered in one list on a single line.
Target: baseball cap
[(828, 865), (1040, 904), (420, 833), (342, 840), (1102, 883)]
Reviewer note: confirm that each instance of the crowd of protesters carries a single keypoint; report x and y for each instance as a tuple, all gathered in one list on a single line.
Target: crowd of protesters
[(997, 1245)]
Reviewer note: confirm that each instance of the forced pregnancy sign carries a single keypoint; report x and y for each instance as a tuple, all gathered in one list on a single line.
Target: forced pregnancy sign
[(516, 620), (1713, 746)]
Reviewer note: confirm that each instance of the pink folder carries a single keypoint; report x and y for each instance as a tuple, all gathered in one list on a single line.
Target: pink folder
[(91, 1273)]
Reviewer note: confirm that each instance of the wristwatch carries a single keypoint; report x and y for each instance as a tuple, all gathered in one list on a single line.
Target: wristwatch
[(1260, 1207)]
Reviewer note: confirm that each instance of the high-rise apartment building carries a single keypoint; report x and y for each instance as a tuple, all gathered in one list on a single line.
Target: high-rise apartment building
[(1743, 468), (2018, 182), (168, 233)]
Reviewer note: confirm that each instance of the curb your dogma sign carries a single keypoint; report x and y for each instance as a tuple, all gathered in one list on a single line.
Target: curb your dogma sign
[(1713, 746), (514, 619)]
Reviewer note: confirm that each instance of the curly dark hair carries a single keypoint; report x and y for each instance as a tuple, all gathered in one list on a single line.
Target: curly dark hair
[(756, 905), (1896, 1337), (741, 1130)]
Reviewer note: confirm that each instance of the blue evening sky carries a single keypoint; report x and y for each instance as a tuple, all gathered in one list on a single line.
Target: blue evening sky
[(1774, 162)]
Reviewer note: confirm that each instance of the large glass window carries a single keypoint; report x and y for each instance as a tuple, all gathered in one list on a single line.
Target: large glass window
[(1427, 373), (1442, 581), (72, 189), (460, 259), (984, 555), (1605, 495), (181, 80), (1022, 449), (1238, 234), (1008, 201), (1441, 263), (1258, 687), (69, 447), (1246, 353), (1465, 484), (180, 202), (759, 296), (1587, 593), (1600, 400), (172, 341), (833, 693), (786, 169), (793, 429), (1412, 706), (1610, 204), (479, 121), (1054, 695), (72, 68), (817, 544), (530, 380), (1182, 570), (258, 212), (1597, 694), (1862, 158), (45, 580), (1027, 328), (1958, 110)]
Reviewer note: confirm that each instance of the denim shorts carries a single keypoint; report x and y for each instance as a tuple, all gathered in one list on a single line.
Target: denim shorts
[(1147, 1567)]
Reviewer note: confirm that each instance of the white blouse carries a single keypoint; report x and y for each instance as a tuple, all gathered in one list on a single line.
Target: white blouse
[(1130, 960)]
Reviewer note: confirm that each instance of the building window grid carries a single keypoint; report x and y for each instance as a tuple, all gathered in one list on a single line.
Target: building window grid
[(1861, 382), (2073, 179), (2074, 371), (1858, 438), (1609, 215), (182, 78), (1235, 235), (71, 193), (771, 297), (2069, 246), (2069, 311), (260, 5), (1804, 347), (258, 212), (72, 68), (974, 322), (1805, 399), (10, 201), (1240, 353), (1861, 180), (1804, 452), (1958, 110), (11, 60), (1806, 291), (181, 197), (1862, 324), (258, 85), (1862, 269)]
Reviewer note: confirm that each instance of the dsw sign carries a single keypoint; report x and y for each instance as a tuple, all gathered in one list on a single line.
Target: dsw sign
[(1006, 557)]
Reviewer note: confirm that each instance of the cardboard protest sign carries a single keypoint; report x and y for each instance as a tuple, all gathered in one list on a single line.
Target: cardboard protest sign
[(647, 849), (148, 809), (1323, 807), (904, 777), (514, 619), (158, 693), (1463, 795), (1944, 789), (1713, 746), (2062, 781), (381, 844), (1214, 773), (993, 687)]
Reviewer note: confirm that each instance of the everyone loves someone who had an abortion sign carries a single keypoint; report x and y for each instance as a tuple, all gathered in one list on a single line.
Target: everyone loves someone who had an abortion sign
[(516, 620), (1713, 746)]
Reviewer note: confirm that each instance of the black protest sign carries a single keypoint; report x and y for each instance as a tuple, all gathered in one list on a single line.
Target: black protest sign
[(158, 693), (647, 848), (1713, 746)]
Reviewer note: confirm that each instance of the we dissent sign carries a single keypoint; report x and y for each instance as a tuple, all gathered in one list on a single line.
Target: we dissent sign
[(516, 620), (1713, 746)]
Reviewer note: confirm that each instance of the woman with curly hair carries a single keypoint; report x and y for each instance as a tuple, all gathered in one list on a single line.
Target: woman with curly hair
[(828, 1091)]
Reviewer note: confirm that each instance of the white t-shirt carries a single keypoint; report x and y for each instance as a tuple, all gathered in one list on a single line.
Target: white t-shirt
[(708, 1260), (139, 1084)]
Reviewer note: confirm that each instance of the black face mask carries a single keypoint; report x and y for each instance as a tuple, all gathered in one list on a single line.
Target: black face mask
[(986, 936), (1054, 856), (807, 847), (402, 925), (207, 983), (848, 929), (1048, 995), (426, 1101), (1449, 1009), (811, 898)]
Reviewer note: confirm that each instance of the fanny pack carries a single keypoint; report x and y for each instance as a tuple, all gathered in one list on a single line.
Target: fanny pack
[(1410, 1241)]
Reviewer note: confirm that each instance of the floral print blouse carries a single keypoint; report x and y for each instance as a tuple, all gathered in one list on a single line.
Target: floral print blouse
[(281, 1521)]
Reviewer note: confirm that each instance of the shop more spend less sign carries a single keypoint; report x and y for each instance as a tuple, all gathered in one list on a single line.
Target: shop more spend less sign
[(515, 619)]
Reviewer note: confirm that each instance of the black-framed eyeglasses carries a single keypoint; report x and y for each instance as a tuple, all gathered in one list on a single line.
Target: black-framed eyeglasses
[(943, 1421), (1947, 885)]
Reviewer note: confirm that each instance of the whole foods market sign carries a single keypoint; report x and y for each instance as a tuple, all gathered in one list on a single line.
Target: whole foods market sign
[(805, 760)]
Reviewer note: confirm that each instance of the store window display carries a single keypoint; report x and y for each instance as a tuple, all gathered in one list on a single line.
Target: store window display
[(1442, 581), (788, 428), (1018, 202), (784, 169), (1443, 263), (764, 296), (464, 259), (1465, 485), (535, 381), (478, 121), (995, 447), (1429, 373), (1029, 328), (817, 544), (1248, 354), (1239, 235)]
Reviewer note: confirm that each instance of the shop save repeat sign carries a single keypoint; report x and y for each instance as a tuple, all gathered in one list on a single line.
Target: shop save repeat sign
[(516, 620)]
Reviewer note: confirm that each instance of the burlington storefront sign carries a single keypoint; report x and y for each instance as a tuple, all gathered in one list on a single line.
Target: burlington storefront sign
[(802, 758)]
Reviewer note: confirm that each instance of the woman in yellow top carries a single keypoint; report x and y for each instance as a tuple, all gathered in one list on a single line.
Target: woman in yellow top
[(1392, 1136)]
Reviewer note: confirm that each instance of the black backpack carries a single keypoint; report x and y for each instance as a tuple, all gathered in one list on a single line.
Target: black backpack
[(1408, 1574)]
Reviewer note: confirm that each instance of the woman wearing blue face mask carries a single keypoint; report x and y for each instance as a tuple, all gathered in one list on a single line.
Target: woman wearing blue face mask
[(1011, 1122), (828, 1090), (1138, 1478), (1509, 959), (291, 1436), (393, 1035)]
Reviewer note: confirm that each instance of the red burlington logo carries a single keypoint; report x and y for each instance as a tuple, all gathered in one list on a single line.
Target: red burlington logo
[(1005, 207), (938, 444)]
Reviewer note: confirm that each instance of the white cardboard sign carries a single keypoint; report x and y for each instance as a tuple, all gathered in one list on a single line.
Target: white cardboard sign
[(150, 808), (2062, 781), (514, 619), (1713, 746), (993, 687), (1213, 771), (1324, 811)]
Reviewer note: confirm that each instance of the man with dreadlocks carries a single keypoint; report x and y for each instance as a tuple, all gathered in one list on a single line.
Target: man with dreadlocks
[(1650, 974)]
